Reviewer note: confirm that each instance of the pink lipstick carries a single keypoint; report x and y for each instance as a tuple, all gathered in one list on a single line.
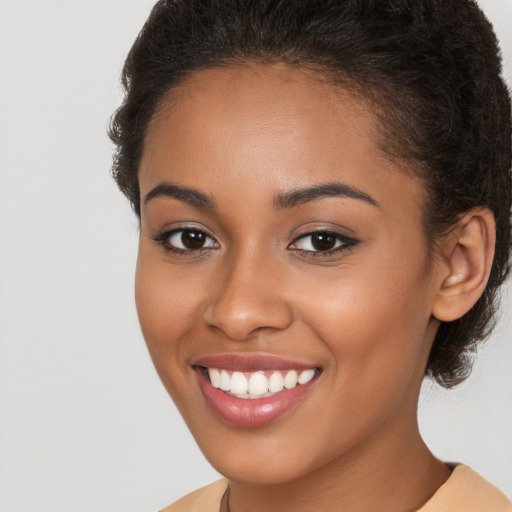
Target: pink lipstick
[(251, 391)]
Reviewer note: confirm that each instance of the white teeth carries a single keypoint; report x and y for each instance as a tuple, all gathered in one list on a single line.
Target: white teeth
[(290, 381), (306, 376), (214, 375), (238, 383), (257, 384), (225, 381), (276, 382)]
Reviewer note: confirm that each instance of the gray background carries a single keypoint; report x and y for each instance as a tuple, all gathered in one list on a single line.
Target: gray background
[(84, 423)]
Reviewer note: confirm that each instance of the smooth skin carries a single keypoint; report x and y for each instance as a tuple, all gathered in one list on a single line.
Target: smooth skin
[(364, 309)]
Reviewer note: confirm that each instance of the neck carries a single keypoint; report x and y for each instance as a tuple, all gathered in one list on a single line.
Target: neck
[(393, 472)]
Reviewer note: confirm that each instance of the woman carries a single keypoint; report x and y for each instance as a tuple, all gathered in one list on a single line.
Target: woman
[(324, 193)]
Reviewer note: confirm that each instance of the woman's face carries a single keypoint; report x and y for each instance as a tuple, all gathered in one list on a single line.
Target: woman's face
[(282, 257)]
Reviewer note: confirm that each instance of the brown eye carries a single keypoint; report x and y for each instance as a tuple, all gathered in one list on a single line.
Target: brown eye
[(192, 239), (189, 240), (320, 243), (323, 241)]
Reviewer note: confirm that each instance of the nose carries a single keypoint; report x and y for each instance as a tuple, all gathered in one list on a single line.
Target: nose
[(247, 297)]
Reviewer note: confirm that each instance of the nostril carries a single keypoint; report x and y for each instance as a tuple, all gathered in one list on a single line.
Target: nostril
[(247, 317)]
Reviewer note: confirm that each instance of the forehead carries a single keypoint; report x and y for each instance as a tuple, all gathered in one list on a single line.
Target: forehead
[(271, 94), (277, 123), (262, 86)]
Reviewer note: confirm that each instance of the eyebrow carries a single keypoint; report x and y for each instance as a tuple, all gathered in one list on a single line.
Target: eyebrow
[(285, 200), (300, 196), (185, 194)]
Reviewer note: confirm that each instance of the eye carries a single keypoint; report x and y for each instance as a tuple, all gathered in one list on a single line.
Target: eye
[(322, 243), (185, 240)]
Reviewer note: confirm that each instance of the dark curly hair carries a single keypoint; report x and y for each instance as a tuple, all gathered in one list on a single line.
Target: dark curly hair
[(431, 69)]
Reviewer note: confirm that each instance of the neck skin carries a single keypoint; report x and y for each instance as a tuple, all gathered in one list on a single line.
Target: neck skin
[(393, 472)]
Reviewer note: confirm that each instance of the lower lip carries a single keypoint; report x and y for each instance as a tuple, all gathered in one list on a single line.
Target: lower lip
[(253, 412)]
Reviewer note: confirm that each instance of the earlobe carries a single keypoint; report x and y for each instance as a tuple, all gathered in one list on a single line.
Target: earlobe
[(466, 265)]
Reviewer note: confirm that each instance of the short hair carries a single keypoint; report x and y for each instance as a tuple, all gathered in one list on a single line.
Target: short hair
[(431, 67)]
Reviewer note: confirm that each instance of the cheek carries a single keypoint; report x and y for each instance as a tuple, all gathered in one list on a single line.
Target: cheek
[(374, 323), (165, 301), (165, 296), (165, 306), (374, 329)]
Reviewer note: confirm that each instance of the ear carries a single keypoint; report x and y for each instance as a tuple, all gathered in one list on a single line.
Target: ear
[(465, 264)]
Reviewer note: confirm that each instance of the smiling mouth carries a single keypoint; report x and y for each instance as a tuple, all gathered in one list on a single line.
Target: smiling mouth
[(257, 384), (253, 390)]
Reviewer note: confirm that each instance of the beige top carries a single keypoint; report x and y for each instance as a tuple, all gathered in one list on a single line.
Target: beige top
[(464, 491)]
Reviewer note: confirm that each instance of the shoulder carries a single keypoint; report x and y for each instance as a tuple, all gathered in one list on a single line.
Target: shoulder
[(206, 499), (467, 491), (464, 491)]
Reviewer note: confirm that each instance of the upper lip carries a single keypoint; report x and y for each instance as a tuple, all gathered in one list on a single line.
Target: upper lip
[(250, 362)]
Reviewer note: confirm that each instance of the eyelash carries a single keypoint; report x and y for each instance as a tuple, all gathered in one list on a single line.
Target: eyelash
[(163, 238), (346, 243)]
